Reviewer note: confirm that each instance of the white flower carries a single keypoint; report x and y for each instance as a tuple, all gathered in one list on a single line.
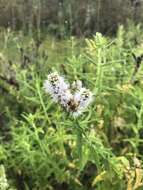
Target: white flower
[(84, 98), (60, 91), (57, 87), (66, 96)]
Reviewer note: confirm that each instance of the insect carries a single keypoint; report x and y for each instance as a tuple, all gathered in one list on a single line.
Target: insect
[(73, 105)]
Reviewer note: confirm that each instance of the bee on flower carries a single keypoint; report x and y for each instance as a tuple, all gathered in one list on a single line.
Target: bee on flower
[(74, 102)]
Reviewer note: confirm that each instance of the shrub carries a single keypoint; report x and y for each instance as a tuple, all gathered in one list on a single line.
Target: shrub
[(42, 147)]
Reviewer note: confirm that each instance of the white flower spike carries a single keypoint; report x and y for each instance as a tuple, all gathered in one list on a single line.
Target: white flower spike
[(60, 91)]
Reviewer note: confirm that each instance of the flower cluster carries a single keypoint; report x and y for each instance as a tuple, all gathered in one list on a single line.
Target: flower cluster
[(74, 99)]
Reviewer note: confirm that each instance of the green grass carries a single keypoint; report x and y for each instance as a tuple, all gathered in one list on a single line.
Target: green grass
[(43, 147)]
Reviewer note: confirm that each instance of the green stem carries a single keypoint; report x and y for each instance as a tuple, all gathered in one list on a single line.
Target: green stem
[(79, 141), (41, 101)]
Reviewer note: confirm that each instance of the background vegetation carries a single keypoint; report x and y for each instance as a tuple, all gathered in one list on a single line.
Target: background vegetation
[(82, 17), (41, 146)]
